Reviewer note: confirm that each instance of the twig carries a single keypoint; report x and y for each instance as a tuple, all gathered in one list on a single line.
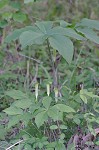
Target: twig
[(15, 144), (31, 58), (63, 84), (39, 62)]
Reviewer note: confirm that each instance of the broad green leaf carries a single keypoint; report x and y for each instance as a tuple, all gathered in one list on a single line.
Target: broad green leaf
[(54, 114), (28, 38), (63, 127), (88, 115), (83, 97), (60, 146), (13, 121), (64, 24), (83, 91), (64, 108), (26, 117), (67, 32), (62, 136), (89, 23), (76, 120), (51, 145), (24, 103), (16, 94), (16, 34), (40, 118), (28, 147), (44, 26), (89, 34), (13, 111), (64, 46), (90, 94), (19, 17), (53, 127), (46, 101), (34, 107)]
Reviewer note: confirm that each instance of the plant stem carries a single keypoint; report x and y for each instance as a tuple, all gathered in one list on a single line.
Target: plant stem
[(55, 76)]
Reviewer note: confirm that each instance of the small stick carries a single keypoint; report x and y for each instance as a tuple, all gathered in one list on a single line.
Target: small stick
[(15, 144)]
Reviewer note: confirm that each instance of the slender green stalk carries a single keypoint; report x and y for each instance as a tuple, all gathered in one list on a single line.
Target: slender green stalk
[(55, 76)]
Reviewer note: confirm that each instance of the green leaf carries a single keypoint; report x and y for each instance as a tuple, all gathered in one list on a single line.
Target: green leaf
[(24, 103), (76, 120), (67, 32), (13, 121), (26, 117), (53, 127), (13, 111), (83, 97), (64, 108), (64, 24), (64, 46), (44, 26), (19, 17), (13, 36), (89, 33), (90, 94), (51, 145), (40, 118), (28, 147), (62, 136), (84, 93), (89, 23), (16, 34), (60, 146), (54, 114), (16, 94), (63, 127), (28, 38), (46, 101)]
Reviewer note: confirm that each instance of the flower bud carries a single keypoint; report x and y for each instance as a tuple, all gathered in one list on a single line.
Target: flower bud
[(48, 89), (56, 94), (36, 90)]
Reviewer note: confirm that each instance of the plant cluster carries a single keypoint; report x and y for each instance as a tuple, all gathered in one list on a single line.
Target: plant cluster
[(53, 97)]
